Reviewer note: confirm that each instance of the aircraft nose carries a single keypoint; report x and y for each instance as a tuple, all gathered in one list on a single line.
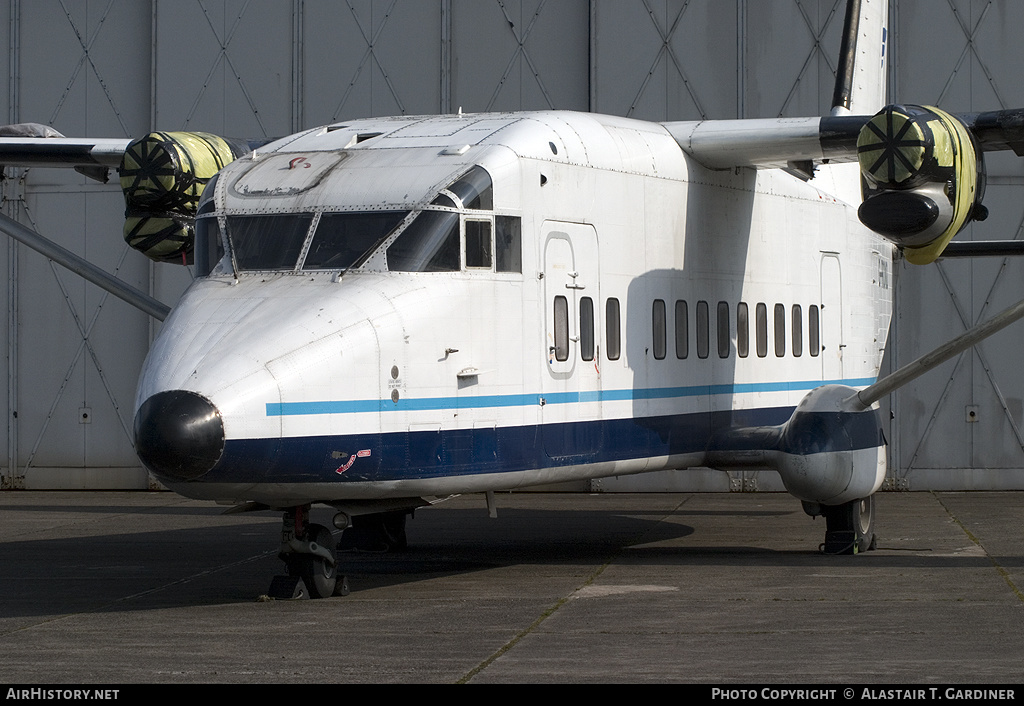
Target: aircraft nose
[(179, 434)]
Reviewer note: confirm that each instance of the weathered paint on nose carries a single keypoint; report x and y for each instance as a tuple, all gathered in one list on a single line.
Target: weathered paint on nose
[(179, 434)]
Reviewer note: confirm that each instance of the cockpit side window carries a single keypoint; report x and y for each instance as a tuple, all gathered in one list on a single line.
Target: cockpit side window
[(268, 241), (444, 200), (342, 238), (475, 190), (478, 243), (466, 233), (429, 244), (508, 236), (209, 248)]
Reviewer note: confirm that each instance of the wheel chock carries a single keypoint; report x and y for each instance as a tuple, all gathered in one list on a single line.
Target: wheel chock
[(288, 588), (840, 542)]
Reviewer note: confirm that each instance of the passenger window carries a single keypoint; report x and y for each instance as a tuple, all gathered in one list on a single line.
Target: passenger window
[(761, 324), (478, 244), (742, 330), (561, 329), (612, 340), (658, 316), (703, 335), (429, 244), (682, 330), (508, 247), (780, 330), (587, 328), (798, 331), (723, 330), (813, 330)]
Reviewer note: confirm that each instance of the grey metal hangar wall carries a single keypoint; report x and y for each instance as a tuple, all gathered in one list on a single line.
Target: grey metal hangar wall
[(251, 68)]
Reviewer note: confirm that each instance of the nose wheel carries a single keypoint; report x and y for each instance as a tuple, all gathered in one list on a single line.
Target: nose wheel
[(318, 573), (309, 551)]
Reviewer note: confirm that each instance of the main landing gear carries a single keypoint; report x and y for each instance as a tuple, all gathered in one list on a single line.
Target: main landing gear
[(850, 527), (309, 551)]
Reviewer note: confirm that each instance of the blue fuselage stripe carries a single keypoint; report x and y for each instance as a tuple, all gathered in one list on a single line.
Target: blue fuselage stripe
[(409, 455), (286, 409)]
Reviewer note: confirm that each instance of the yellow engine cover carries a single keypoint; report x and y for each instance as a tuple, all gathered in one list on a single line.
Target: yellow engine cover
[(920, 150)]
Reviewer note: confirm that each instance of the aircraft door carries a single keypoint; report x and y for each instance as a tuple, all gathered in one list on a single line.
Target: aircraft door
[(560, 299), (832, 343), (572, 340)]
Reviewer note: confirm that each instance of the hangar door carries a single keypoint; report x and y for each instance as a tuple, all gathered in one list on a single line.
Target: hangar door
[(961, 426)]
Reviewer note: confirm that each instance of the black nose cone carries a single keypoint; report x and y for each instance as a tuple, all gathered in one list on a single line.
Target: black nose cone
[(179, 434)]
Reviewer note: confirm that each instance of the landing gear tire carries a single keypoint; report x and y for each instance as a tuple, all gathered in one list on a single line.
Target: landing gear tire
[(319, 575), (850, 527)]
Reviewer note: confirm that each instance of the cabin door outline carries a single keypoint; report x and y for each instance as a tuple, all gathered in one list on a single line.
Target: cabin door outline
[(832, 341), (572, 351)]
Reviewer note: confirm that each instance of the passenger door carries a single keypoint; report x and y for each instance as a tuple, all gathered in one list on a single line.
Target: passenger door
[(572, 384), (832, 343)]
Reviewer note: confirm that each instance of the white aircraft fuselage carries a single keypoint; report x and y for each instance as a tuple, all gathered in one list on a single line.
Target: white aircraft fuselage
[(595, 303)]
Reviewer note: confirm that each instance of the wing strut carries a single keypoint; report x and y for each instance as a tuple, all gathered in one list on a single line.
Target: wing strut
[(80, 266), (890, 383)]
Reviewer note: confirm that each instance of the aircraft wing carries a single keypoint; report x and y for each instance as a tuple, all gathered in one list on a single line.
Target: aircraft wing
[(769, 143), (784, 142), (62, 151), (998, 129), (922, 169)]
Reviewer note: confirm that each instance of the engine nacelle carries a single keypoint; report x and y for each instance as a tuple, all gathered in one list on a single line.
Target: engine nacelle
[(162, 177), (923, 178)]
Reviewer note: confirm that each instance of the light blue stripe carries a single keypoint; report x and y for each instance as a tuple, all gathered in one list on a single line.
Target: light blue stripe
[(289, 409)]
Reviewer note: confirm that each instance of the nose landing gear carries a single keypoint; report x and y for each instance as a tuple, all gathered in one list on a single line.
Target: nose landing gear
[(309, 551)]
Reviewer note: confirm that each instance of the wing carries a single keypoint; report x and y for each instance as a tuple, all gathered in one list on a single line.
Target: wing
[(62, 151), (35, 145), (162, 176), (923, 171), (769, 144)]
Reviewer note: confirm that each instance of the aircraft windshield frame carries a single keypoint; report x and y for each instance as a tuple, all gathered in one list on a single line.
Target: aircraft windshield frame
[(428, 238), (307, 241)]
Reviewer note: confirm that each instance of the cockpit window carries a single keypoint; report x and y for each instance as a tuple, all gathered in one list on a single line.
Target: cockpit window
[(478, 243), (474, 189), (342, 238), (429, 244), (268, 241), (209, 248), (444, 200), (206, 199)]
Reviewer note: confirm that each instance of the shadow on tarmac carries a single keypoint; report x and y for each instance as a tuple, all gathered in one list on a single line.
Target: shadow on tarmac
[(217, 559)]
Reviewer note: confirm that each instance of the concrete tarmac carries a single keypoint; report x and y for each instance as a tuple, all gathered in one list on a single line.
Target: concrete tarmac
[(103, 587)]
